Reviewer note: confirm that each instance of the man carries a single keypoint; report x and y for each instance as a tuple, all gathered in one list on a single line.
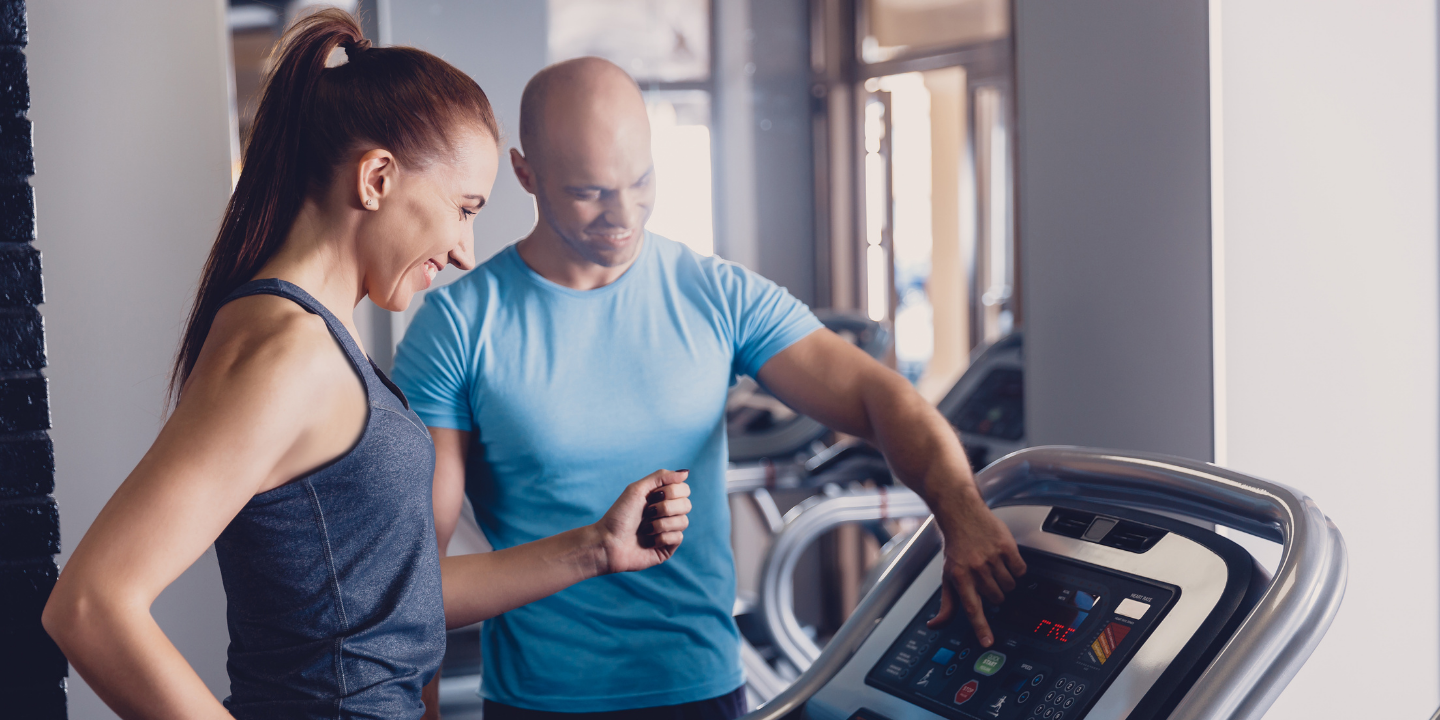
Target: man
[(592, 353)]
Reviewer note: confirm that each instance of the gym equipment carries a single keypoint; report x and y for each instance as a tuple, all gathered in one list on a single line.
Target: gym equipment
[(1124, 613), (987, 403), (761, 427)]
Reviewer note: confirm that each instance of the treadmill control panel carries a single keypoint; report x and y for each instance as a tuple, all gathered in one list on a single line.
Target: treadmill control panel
[(1060, 636)]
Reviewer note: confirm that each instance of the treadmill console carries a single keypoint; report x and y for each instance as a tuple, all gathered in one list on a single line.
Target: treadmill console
[(1061, 636)]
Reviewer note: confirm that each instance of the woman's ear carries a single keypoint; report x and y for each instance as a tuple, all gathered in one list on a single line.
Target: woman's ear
[(375, 176)]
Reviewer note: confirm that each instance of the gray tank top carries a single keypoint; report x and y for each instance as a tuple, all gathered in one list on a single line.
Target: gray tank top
[(332, 581)]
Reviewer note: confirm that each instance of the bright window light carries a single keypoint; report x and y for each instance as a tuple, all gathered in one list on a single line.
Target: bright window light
[(878, 304), (680, 144)]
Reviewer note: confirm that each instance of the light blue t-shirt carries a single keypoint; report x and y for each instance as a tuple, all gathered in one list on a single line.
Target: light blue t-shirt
[(572, 395)]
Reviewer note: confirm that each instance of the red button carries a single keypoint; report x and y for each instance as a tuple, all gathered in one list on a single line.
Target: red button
[(966, 692)]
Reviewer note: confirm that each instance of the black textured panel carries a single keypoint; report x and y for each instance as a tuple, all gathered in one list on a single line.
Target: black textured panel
[(24, 590), (29, 656), (14, 81), (29, 530), (17, 156), (20, 281), (12, 23), (17, 213), (24, 405), (27, 468), (32, 700), (22, 339)]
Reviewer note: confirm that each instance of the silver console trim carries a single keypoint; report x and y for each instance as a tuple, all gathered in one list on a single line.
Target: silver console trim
[(1175, 560)]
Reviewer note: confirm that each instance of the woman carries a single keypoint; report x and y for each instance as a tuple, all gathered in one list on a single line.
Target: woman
[(289, 451)]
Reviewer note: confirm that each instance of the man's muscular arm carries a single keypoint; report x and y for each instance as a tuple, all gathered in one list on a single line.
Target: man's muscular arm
[(452, 447), (831, 380)]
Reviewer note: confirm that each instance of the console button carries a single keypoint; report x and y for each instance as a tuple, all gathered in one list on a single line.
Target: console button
[(943, 656), (1068, 702), (966, 692), (1022, 697), (929, 677), (1080, 689), (1050, 696), (1035, 681), (951, 670), (1070, 685), (1059, 715), (990, 663), (1060, 683)]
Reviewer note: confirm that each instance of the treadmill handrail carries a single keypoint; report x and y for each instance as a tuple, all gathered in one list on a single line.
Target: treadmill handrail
[(894, 579), (804, 524), (1268, 648)]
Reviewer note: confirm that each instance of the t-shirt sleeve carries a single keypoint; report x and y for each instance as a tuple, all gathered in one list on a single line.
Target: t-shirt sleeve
[(432, 365), (766, 318)]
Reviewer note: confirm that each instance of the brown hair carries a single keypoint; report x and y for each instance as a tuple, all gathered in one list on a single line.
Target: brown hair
[(310, 120)]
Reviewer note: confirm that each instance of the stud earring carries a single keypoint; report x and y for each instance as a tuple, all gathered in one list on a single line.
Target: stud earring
[(370, 202)]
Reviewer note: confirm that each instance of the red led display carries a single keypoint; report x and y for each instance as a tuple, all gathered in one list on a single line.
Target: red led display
[(1053, 631)]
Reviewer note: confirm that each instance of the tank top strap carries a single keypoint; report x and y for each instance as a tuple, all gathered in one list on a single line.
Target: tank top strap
[(294, 293)]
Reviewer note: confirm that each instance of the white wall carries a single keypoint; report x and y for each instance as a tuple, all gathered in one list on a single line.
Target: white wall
[(133, 170), (1114, 220), (1330, 326), (501, 44)]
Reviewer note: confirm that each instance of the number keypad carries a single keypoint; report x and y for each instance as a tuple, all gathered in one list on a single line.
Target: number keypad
[(1059, 698)]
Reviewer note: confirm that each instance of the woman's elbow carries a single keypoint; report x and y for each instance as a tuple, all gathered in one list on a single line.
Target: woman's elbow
[(66, 616)]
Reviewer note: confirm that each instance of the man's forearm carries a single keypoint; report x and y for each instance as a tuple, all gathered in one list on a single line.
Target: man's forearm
[(923, 450)]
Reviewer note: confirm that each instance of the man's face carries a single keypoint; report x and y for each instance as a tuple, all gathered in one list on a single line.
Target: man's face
[(595, 184)]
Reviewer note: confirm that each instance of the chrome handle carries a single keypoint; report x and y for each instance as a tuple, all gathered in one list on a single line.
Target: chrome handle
[(804, 524)]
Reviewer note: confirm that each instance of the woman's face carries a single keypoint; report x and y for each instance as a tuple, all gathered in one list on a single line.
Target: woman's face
[(425, 220)]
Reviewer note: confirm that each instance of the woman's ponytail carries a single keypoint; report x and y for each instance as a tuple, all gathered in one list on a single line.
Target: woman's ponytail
[(310, 119)]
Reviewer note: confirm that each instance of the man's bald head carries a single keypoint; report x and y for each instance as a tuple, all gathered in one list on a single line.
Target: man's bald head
[(568, 97), (587, 161)]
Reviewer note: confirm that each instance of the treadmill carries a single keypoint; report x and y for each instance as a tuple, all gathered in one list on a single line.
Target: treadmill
[(1125, 611), (986, 405)]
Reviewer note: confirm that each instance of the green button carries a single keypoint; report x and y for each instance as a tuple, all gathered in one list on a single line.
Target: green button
[(990, 663)]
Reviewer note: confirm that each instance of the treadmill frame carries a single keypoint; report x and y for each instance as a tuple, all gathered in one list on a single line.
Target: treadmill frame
[(1267, 649)]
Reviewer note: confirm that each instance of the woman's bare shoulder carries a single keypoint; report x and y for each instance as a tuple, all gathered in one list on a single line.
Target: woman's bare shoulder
[(264, 342)]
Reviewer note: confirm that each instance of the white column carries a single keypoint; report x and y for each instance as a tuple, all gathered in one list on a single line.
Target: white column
[(132, 156), (1330, 318)]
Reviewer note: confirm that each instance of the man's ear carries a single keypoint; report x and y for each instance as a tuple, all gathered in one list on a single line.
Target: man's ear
[(524, 172), (375, 176)]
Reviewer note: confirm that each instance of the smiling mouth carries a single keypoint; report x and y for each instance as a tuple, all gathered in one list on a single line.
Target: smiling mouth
[(432, 269), (613, 237)]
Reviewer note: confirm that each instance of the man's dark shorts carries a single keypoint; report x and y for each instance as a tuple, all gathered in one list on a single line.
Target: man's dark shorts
[(725, 707)]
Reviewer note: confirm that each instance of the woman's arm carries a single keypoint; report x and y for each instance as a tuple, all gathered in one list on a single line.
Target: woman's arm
[(642, 529), (246, 422)]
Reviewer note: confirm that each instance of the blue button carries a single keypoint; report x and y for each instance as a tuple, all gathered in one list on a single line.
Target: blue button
[(943, 655)]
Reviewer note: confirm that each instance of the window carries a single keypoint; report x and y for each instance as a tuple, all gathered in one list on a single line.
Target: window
[(934, 186), (665, 46), (897, 28)]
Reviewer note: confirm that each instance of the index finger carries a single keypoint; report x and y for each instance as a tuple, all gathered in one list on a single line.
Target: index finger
[(974, 608), (669, 492)]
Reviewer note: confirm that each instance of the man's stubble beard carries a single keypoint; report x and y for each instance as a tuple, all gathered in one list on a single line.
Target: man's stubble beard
[(578, 246)]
